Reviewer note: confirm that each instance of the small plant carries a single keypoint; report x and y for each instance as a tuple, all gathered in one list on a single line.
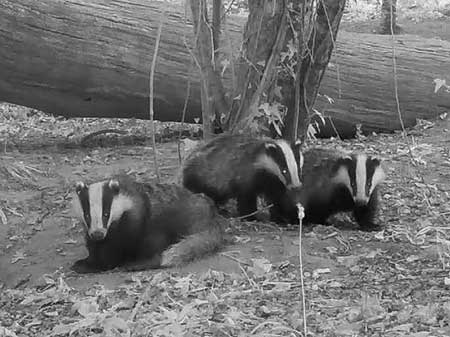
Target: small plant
[(441, 83)]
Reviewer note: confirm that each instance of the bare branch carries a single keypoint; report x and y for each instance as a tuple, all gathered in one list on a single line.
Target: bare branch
[(152, 113)]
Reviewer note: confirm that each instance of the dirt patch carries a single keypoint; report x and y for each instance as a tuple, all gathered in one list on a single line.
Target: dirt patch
[(41, 237)]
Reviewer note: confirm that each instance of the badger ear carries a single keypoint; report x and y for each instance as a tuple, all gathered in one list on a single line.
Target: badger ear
[(343, 161), (114, 185), (270, 146), (79, 185), (376, 161), (297, 143)]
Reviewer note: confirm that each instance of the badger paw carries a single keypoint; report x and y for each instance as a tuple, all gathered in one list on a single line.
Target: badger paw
[(83, 267), (142, 264)]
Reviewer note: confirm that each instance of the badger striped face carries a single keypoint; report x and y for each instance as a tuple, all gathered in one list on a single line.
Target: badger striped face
[(360, 174), (279, 159), (99, 205)]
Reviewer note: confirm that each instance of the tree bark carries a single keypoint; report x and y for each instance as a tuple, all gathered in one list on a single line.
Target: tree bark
[(315, 55), (388, 23), (263, 40), (212, 91), (82, 58)]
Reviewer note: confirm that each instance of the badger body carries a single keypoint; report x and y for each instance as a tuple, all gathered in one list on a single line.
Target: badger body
[(243, 167), (335, 181), (189, 220), (131, 224)]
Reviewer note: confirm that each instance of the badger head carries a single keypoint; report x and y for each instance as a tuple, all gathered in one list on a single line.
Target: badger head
[(100, 205), (282, 160), (361, 174)]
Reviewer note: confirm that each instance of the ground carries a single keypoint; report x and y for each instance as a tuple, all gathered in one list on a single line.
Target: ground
[(391, 283)]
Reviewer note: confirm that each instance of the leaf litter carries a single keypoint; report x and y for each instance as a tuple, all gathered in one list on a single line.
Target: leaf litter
[(391, 283)]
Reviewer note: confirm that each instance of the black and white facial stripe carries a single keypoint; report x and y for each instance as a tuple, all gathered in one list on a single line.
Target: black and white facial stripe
[(99, 205), (280, 159), (360, 174)]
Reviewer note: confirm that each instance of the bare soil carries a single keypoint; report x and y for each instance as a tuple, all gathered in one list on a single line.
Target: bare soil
[(42, 231)]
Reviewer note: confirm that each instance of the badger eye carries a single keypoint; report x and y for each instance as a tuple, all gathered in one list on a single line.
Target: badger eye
[(284, 171), (105, 215)]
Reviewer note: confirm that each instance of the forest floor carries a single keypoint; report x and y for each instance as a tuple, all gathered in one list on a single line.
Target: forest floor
[(390, 283)]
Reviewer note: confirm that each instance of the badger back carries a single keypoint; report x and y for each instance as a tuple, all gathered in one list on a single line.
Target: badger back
[(361, 174), (220, 161)]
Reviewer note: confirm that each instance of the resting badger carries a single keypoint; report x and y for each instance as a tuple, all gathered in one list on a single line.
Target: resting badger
[(243, 167), (132, 224), (334, 181)]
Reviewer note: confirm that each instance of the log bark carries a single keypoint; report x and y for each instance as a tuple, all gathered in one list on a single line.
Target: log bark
[(82, 58)]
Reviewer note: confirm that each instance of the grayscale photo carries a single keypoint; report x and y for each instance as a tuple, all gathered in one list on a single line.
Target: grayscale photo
[(225, 168)]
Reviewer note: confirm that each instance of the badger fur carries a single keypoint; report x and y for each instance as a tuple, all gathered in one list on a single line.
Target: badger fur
[(131, 224), (190, 220), (335, 181), (243, 167)]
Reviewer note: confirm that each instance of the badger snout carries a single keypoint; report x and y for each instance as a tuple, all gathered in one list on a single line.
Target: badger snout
[(294, 192), (293, 196), (361, 202), (97, 235), (294, 188)]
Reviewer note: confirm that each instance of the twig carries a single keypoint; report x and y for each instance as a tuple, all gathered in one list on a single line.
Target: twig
[(188, 91), (173, 301), (397, 102), (253, 213), (301, 215), (281, 327), (217, 6), (152, 75), (394, 68), (234, 259), (183, 115), (250, 281)]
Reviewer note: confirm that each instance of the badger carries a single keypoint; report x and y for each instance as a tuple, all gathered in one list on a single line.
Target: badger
[(335, 181), (243, 167), (130, 224)]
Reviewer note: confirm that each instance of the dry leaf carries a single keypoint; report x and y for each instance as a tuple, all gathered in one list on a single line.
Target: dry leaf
[(260, 267)]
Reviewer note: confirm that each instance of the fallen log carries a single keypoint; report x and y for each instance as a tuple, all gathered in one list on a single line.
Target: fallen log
[(82, 58)]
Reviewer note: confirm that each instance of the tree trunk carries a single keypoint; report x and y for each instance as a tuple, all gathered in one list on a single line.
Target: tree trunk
[(206, 41), (263, 40), (389, 18), (82, 58), (300, 96)]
